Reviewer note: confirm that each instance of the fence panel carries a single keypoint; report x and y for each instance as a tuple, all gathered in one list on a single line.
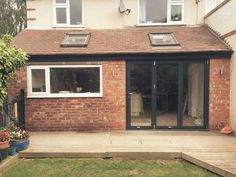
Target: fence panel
[(13, 112)]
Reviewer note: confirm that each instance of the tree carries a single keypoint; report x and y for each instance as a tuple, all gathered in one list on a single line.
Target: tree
[(11, 59), (12, 16)]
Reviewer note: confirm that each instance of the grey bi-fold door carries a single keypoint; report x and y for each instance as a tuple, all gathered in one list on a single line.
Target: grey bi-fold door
[(167, 95)]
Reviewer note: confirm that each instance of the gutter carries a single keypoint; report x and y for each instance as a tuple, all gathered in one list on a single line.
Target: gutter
[(226, 54)]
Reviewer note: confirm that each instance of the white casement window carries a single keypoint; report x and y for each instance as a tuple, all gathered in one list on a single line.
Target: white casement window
[(159, 12), (65, 81), (68, 13)]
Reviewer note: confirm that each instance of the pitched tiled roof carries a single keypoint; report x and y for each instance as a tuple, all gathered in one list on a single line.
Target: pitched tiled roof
[(120, 41)]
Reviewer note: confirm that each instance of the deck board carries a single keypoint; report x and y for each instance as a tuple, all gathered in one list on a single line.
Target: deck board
[(222, 163)]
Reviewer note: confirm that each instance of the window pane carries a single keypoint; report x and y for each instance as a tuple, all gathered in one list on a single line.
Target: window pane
[(75, 12), (76, 40), (193, 95), (61, 15), (153, 11), (162, 39), (141, 94), (75, 80), (60, 1), (38, 80), (176, 12), (167, 94)]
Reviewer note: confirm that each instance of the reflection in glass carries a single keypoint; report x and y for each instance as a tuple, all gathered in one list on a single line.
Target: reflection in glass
[(153, 11), (75, 80), (61, 15), (141, 94), (38, 80), (75, 12), (60, 1), (176, 12), (193, 95), (167, 94)]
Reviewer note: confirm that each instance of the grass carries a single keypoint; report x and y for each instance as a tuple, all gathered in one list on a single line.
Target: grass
[(103, 168)]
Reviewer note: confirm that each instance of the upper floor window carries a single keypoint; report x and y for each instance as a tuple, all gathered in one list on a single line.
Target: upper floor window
[(68, 13), (161, 11)]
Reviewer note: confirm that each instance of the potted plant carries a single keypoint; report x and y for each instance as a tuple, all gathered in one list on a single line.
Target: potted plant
[(4, 143), (19, 139), (12, 151)]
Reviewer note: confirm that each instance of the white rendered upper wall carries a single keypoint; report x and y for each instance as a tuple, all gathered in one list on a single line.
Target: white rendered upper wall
[(222, 20), (103, 14), (211, 4)]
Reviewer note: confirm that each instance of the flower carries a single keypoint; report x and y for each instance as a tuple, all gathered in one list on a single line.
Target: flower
[(4, 135), (18, 133)]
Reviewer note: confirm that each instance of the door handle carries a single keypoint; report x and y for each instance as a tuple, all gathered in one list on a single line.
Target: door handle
[(131, 93)]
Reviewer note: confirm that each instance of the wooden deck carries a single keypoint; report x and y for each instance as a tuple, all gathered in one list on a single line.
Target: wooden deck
[(221, 162), (209, 150)]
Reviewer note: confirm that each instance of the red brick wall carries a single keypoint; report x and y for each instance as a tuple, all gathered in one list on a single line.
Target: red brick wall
[(107, 112), (219, 99)]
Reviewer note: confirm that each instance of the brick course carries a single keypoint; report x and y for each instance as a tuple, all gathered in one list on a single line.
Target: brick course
[(79, 114), (219, 92)]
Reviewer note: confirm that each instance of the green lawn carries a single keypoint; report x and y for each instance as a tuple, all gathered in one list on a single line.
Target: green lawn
[(103, 168)]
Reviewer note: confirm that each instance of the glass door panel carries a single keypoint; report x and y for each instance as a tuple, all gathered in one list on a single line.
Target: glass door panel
[(167, 95), (140, 94), (193, 94)]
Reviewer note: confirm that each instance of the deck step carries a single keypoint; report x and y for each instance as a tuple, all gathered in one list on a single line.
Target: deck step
[(122, 155)]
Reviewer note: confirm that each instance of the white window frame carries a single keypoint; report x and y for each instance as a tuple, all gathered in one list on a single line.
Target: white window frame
[(67, 6), (169, 12), (169, 22), (29, 81), (48, 94)]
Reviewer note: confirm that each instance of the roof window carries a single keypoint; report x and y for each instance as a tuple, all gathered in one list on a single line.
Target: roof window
[(76, 39), (163, 39)]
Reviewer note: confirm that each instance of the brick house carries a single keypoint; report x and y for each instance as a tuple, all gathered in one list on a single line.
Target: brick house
[(131, 64)]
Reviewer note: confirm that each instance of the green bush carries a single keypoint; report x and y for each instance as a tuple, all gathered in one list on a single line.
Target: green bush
[(11, 59)]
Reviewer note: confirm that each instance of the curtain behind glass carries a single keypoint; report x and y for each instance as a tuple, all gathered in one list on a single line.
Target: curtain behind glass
[(142, 11)]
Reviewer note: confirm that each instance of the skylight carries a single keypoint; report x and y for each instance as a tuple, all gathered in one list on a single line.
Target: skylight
[(76, 39), (163, 39)]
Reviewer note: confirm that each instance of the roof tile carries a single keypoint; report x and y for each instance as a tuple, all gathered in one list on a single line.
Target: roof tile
[(119, 41)]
